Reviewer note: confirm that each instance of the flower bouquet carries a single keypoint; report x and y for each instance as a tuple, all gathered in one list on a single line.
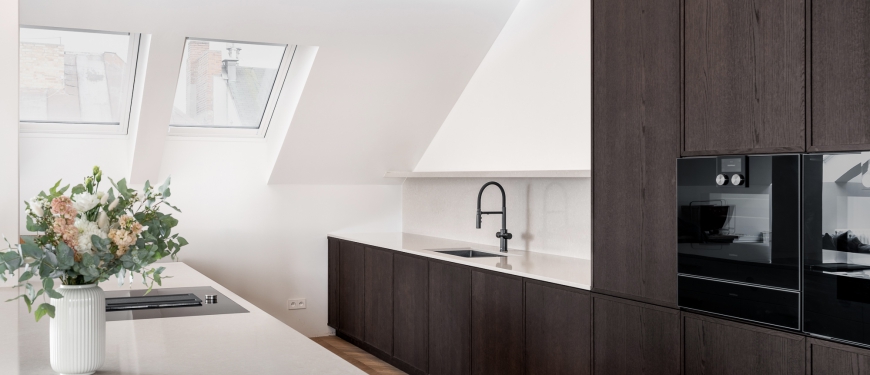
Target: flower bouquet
[(82, 239)]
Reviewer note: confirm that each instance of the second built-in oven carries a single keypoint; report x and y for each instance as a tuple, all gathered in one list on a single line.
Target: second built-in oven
[(738, 240)]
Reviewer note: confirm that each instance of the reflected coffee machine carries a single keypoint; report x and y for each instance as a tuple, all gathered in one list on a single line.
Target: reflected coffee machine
[(738, 240)]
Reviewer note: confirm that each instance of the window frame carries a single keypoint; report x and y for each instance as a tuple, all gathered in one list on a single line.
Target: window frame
[(268, 112), (126, 105)]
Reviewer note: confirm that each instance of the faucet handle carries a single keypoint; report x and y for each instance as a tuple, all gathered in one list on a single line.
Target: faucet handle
[(504, 235)]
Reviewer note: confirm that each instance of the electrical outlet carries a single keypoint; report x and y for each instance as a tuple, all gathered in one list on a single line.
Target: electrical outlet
[(296, 304)]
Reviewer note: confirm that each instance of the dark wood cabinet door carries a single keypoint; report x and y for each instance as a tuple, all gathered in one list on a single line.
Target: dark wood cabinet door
[(840, 64), (333, 275), (715, 346), (633, 338), (828, 358), (636, 141), (379, 300), (449, 319), (745, 74), (497, 334), (410, 314), (351, 290), (558, 330)]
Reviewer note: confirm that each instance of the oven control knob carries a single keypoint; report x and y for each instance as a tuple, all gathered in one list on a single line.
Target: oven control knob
[(721, 179), (737, 179)]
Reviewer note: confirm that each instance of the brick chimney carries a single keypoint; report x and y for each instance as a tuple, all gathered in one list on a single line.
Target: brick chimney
[(231, 62)]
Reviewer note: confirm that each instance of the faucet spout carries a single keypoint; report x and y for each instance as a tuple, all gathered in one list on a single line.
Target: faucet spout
[(503, 235)]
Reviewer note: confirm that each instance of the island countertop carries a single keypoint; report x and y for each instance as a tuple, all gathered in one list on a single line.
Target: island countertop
[(244, 343), (557, 269)]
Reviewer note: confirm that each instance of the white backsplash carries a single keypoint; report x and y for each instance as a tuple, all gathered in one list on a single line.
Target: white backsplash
[(547, 215)]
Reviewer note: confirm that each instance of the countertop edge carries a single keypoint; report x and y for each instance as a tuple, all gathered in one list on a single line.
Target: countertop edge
[(459, 260)]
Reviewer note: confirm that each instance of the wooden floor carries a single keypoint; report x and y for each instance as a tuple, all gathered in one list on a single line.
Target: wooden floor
[(356, 356)]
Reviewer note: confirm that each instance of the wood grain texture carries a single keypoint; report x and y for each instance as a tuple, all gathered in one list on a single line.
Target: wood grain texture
[(745, 74), (840, 74), (634, 338), (497, 333), (715, 346), (379, 299), (828, 358), (351, 284), (636, 137), (411, 306), (558, 330), (449, 319), (332, 280), (356, 356)]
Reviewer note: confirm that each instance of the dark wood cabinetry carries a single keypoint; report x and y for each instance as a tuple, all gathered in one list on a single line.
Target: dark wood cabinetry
[(636, 141), (828, 358), (411, 312), (449, 319), (351, 290), (745, 74), (379, 300), (497, 334), (558, 330), (716, 346), (332, 282), (634, 338), (840, 68)]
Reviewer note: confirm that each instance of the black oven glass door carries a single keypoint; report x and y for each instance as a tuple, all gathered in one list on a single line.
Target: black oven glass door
[(745, 229), (837, 246)]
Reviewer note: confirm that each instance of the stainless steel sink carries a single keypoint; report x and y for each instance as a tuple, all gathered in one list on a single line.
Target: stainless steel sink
[(469, 253)]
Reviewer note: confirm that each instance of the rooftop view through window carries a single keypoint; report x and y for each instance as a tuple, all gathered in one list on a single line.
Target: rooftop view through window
[(225, 84), (75, 77)]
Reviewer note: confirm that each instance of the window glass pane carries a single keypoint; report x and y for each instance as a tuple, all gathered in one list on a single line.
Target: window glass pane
[(225, 84), (70, 76)]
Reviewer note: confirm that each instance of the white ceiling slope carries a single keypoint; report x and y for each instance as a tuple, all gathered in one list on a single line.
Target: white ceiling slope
[(386, 75)]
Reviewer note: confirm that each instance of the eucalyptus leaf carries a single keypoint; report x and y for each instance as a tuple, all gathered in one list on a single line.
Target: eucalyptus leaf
[(42, 310)]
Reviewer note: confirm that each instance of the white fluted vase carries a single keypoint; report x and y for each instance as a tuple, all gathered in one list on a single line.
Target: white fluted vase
[(78, 330)]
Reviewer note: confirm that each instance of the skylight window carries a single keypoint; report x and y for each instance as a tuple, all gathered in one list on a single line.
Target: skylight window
[(75, 81), (227, 85)]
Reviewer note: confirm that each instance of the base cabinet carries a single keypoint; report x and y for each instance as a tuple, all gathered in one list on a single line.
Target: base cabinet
[(634, 338), (714, 346), (558, 330), (449, 319), (410, 313), (379, 301), (828, 358), (497, 334), (351, 290)]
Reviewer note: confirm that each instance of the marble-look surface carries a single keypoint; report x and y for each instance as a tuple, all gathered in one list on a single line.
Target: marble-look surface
[(250, 343), (568, 271)]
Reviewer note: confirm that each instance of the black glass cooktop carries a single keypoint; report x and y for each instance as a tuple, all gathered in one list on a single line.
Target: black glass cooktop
[(223, 305)]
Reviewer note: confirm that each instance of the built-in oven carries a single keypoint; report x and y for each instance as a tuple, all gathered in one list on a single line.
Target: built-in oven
[(836, 240), (738, 238)]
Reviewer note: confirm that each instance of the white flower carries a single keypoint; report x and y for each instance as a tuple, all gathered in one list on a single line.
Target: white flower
[(86, 230), (85, 202), (36, 206), (103, 221), (114, 204), (103, 197)]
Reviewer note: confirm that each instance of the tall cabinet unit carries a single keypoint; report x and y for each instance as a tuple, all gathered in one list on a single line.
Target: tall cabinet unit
[(636, 140), (840, 83), (745, 74)]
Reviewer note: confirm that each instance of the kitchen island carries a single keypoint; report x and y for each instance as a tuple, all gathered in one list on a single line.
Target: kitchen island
[(241, 343)]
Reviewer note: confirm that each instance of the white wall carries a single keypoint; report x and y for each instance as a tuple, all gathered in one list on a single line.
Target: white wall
[(528, 105), (9, 172), (265, 242)]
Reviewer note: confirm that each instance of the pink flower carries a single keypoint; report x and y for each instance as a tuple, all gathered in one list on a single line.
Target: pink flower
[(64, 220)]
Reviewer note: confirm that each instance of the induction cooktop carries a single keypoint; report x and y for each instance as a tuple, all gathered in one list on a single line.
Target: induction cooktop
[(148, 309)]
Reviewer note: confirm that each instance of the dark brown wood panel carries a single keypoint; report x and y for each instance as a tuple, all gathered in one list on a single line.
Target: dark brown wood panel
[(379, 299), (840, 75), (411, 308), (351, 285), (497, 333), (333, 275), (449, 319), (636, 140), (715, 346), (828, 358), (558, 330), (745, 74), (634, 338)]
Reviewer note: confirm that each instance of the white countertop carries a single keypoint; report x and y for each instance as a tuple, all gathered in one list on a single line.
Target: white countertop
[(251, 343), (557, 269)]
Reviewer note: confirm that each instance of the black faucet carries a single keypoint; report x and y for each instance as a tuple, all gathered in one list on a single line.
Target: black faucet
[(503, 234)]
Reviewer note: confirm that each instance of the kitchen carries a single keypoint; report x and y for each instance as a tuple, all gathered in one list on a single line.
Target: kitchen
[(679, 185)]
